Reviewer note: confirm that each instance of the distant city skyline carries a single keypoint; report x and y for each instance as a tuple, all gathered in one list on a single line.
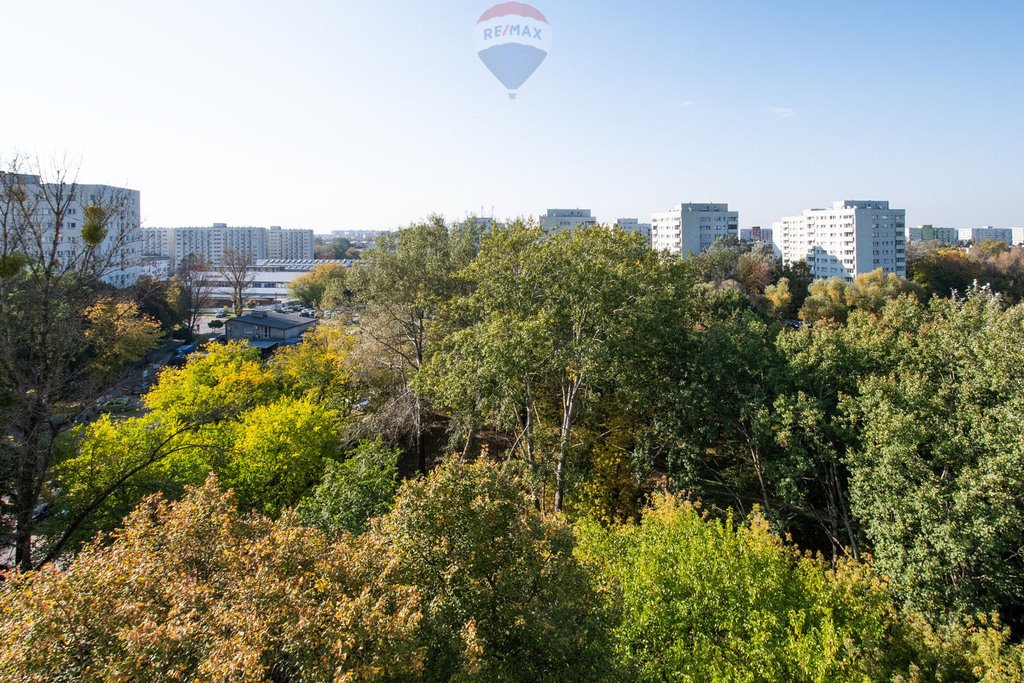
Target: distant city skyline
[(372, 114)]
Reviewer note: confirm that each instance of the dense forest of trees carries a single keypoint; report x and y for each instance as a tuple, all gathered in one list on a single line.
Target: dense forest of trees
[(523, 456)]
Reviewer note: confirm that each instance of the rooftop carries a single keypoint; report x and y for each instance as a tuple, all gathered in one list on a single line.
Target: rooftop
[(278, 321)]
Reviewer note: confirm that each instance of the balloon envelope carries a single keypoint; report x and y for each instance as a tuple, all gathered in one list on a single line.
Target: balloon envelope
[(512, 40)]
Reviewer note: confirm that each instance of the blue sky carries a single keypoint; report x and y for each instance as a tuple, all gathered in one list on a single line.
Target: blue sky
[(374, 113)]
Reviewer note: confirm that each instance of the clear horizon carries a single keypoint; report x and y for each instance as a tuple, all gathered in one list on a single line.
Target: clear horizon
[(373, 114)]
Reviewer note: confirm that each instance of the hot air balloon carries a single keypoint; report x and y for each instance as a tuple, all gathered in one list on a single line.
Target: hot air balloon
[(512, 40)]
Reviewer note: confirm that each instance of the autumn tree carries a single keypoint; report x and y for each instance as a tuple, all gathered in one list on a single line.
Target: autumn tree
[(119, 334), (236, 267), (943, 270), (196, 590), (56, 245), (832, 299)]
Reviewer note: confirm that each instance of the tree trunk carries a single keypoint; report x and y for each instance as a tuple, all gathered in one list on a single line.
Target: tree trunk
[(421, 447), (24, 509), (564, 441), (27, 496)]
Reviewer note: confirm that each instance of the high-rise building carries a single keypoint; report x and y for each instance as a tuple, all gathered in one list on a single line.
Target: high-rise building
[(556, 220), (634, 225), (976, 235), (692, 228), (851, 238), (930, 233), (58, 212), (288, 244), (756, 234), (210, 243)]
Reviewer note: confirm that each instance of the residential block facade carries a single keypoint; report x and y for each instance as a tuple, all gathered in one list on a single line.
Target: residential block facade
[(263, 243), (692, 228), (851, 238)]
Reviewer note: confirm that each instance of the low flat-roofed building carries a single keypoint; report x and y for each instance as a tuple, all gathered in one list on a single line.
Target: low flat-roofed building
[(268, 326)]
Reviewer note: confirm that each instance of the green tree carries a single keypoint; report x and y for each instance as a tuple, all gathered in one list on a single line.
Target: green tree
[(833, 299), (990, 247), (872, 290), (937, 481), (262, 432), (312, 288), (156, 299), (503, 597), (800, 278), (550, 325), (706, 599), (353, 491), (279, 452), (400, 295), (714, 420)]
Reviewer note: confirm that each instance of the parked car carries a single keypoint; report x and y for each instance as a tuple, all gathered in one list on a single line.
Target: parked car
[(115, 406), (182, 353)]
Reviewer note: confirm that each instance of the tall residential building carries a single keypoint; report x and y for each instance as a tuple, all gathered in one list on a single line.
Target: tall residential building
[(634, 225), (692, 228), (756, 234), (263, 243), (556, 220), (1009, 236), (851, 238), (930, 233), (118, 255), (288, 244)]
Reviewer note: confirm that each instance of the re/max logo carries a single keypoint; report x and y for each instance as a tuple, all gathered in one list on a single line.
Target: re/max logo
[(512, 30)]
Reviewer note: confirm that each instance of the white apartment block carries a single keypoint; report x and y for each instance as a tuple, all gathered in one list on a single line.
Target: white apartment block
[(1009, 236), (851, 238), (120, 251), (263, 243), (557, 220), (634, 225), (692, 228)]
